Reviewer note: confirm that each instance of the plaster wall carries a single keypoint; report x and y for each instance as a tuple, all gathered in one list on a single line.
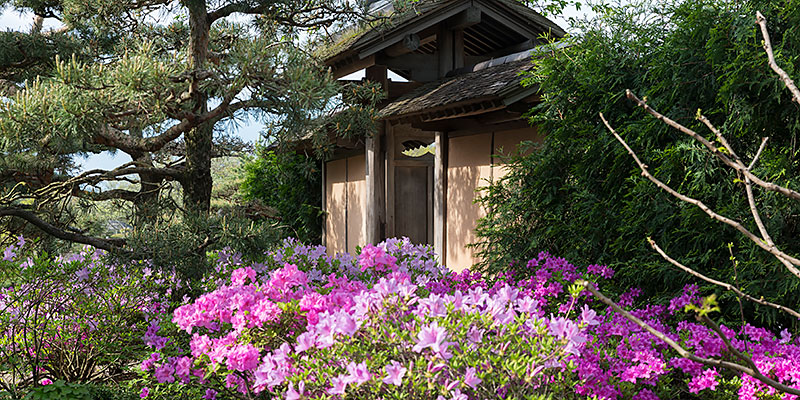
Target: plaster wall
[(508, 142), (356, 202), (345, 202), (468, 167)]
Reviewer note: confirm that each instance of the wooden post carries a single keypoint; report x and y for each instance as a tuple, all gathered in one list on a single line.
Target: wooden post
[(390, 228), (440, 196), (458, 48), (375, 211), (324, 204), (444, 44), (374, 183)]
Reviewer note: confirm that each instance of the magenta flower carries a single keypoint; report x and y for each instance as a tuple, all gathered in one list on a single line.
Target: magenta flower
[(394, 373), (211, 394), (45, 381), (164, 373), (706, 380), (375, 257), (145, 392), (243, 358)]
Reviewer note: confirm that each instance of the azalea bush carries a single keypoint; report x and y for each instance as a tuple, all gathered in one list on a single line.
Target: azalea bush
[(73, 318), (373, 327), (391, 323)]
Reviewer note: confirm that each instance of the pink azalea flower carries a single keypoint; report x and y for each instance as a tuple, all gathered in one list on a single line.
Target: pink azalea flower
[(338, 385), (394, 373), (432, 336), (292, 394), (358, 373), (589, 316)]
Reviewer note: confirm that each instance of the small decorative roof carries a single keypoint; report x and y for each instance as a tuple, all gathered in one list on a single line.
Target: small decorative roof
[(487, 87), (490, 84)]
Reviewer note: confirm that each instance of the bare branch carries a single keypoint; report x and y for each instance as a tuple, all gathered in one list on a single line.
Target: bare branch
[(792, 262), (114, 245), (721, 138), (721, 284), (762, 22), (712, 362), (758, 153), (725, 159)]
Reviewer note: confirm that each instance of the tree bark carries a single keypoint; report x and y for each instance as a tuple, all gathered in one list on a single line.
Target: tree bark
[(197, 182)]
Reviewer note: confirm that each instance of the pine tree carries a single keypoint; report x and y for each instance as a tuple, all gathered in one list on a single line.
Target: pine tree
[(115, 78)]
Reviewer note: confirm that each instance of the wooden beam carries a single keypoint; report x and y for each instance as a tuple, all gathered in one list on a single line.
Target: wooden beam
[(444, 44), (409, 43), (352, 66), (515, 48), (506, 126), (397, 89), (465, 19), (407, 61), (528, 32), (418, 25), (499, 116), (440, 196), (378, 74)]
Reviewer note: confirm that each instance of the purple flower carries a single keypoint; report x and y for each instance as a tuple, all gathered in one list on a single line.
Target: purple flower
[(164, 373), (145, 392), (211, 394), (470, 379), (8, 254), (45, 381)]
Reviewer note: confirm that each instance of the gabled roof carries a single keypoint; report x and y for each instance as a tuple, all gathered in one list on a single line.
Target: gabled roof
[(426, 13)]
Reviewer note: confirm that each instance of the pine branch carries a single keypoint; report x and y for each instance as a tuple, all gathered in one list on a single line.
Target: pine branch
[(113, 245)]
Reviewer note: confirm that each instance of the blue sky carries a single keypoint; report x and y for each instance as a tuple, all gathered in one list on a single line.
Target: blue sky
[(248, 130)]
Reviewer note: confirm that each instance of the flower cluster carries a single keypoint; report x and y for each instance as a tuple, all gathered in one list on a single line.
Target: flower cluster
[(373, 329), (390, 321)]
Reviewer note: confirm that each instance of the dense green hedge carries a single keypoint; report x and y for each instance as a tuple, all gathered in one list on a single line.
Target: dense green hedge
[(582, 197), (291, 184)]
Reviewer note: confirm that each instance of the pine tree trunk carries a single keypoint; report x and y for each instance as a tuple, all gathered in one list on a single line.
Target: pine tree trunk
[(197, 180)]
